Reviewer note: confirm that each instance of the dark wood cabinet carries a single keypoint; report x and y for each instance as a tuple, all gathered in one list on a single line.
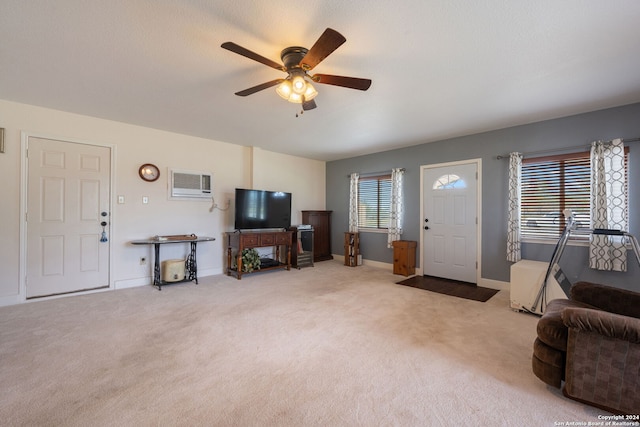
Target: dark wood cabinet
[(321, 223)]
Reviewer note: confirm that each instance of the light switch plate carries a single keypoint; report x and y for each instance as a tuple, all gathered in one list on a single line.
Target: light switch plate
[(120, 199), (145, 199)]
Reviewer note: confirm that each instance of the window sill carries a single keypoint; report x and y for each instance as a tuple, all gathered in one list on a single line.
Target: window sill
[(373, 230), (570, 242)]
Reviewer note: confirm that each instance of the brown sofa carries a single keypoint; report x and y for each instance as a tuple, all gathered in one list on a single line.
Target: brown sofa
[(592, 342)]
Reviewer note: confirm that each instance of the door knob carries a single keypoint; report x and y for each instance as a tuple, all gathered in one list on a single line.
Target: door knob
[(426, 220), (426, 227)]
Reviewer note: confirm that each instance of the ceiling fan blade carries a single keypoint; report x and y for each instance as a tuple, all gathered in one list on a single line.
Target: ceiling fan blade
[(260, 87), (251, 55), (350, 82), (329, 41), (309, 105)]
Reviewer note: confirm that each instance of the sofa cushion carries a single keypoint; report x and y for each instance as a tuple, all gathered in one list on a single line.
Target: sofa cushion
[(607, 298), (603, 323), (551, 329)]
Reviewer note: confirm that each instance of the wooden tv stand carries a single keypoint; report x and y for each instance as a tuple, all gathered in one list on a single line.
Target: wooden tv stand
[(238, 241)]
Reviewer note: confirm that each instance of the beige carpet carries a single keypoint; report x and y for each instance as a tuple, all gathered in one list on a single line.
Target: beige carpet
[(322, 346)]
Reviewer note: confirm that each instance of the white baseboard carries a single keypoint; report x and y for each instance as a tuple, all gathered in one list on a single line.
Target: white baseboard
[(486, 283), (495, 284), (211, 271), (132, 283), (378, 264), (148, 280), (10, 300)]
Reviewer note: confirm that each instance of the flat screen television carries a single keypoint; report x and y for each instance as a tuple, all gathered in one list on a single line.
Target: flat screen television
[(257, 209)]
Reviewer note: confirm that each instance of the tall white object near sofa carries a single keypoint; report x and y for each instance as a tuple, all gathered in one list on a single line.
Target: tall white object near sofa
[(526, 279)]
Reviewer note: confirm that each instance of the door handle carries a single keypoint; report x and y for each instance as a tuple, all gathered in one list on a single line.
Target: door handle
[(426, 227)]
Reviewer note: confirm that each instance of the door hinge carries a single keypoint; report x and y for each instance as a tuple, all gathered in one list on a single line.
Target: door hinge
[(476, 265)]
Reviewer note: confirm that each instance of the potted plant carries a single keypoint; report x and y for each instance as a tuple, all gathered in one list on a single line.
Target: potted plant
[(250, 260)]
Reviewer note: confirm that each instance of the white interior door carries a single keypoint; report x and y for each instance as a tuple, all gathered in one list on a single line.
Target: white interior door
[(67, 200), (450, 222)]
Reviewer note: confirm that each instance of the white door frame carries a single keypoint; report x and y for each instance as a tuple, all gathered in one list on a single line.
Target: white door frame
[(24, 139), (478, 163)]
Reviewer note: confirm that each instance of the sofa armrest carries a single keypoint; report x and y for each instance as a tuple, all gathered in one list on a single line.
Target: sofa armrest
[(607, 298), (604, 323)]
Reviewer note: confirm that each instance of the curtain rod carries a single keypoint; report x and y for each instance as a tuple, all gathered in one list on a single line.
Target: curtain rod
[(376, 173), (506, 156)]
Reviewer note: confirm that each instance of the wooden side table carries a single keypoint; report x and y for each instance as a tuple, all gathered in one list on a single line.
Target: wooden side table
[(238, 241), (404, 257)]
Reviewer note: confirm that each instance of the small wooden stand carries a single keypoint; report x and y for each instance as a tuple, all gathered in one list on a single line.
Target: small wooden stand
[(302, 250), (404, 257)]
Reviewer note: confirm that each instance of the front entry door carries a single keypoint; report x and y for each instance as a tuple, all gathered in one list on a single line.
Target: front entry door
[(450, 222), (67, 211)]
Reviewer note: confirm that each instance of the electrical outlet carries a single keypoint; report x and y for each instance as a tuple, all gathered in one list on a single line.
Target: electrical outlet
[(143, 261)]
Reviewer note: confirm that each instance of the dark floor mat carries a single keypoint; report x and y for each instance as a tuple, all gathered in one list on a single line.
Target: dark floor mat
[(450, 287)]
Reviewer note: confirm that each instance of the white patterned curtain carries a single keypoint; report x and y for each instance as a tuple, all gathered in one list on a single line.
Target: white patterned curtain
[(513, 221), (353, 203), (397, 207), (608, 206)]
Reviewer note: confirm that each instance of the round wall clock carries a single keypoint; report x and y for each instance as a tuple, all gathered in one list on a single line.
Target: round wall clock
[(149, 172)]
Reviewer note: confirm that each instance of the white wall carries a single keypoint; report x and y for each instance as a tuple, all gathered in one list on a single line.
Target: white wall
[(303, 178), (232, 166)]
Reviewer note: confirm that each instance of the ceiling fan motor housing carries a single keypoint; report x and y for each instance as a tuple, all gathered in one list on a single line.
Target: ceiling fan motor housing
[(291, 57)]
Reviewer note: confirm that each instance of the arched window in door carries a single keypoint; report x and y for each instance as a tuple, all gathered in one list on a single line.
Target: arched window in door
[(449, 182)]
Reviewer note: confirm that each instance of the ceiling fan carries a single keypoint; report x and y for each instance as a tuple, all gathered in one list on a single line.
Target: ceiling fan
[(297, 62)]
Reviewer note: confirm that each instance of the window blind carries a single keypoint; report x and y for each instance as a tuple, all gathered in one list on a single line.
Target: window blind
[(374, 201), (550, 185)]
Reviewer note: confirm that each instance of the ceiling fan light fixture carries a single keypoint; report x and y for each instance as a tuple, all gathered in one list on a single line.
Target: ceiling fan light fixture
[(284, 89), (296, 89), (310, 92), (299, 85), (296, 98)]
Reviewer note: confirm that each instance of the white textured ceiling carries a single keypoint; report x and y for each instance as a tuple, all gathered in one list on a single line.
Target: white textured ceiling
[(440, 68)]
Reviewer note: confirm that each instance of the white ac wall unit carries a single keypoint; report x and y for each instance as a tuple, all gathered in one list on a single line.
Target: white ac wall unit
[(526, 280), (190, 184)]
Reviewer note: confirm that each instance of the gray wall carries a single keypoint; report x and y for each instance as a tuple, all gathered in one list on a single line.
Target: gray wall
[(556, 134)]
